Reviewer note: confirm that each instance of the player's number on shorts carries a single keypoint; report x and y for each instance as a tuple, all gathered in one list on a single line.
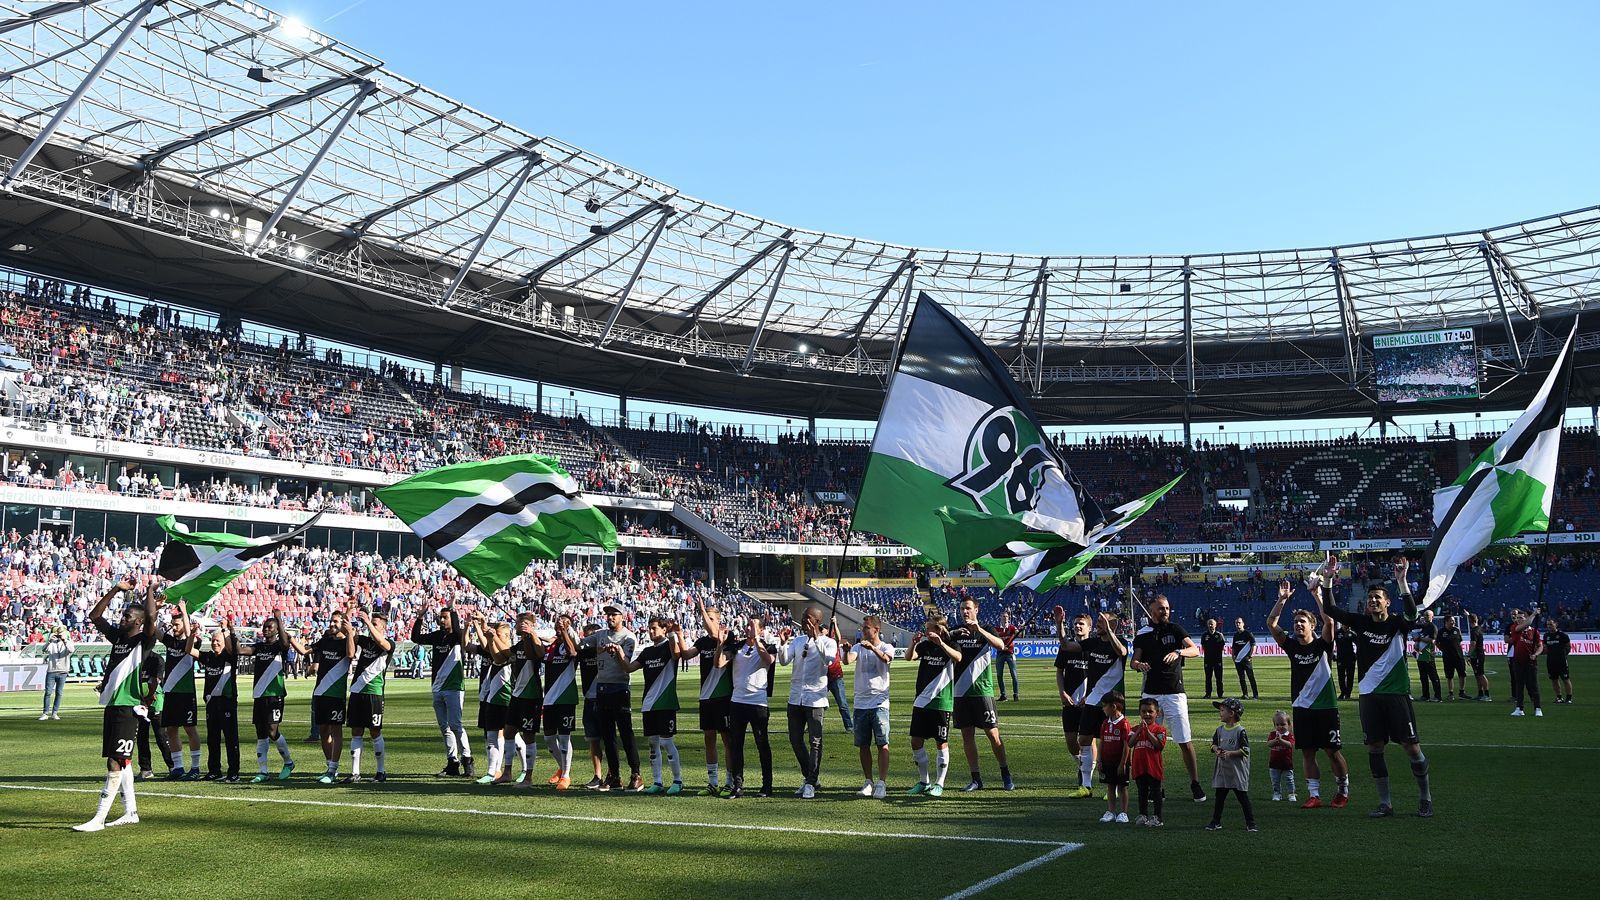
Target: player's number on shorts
[(337, 716), (125, 746), (377, 720), (277, 716), (1333, 737)]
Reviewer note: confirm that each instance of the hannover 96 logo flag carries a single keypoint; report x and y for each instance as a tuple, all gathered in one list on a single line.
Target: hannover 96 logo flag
[(957, 434), (200, 563)]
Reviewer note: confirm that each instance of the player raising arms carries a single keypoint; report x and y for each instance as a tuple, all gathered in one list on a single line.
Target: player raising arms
[(369, 648), (561, 698), (1315, 711), (221, 665), (494, 690), (182, 711), (131, 639), (449, 685), (527, 696), (1385, 702), (716, 690), (1071, 668), (330, 663), (974, 690), (660, 703), (936, 657), (1106, 658), (269, 655)]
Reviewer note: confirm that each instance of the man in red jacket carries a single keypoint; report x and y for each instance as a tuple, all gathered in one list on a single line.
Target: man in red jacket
[(1526, 645)]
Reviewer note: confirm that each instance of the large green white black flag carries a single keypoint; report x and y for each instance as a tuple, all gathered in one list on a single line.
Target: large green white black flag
[(1505, 491), (490, 519), (956, 433), (199, 564)]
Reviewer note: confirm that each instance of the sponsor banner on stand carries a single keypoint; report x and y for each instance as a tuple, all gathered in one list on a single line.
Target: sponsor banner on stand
[(758, 548)]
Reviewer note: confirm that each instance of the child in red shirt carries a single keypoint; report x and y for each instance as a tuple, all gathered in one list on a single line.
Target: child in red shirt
[(1114, 733), (1149, 738), (1280, 759)]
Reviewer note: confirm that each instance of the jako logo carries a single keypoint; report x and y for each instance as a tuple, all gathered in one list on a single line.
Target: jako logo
[(1006, 463)]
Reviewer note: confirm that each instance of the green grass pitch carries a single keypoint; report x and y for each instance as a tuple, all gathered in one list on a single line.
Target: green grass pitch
[(1505, 790)]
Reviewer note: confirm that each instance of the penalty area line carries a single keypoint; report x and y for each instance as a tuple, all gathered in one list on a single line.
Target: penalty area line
[(558, 817), (1014, 871)]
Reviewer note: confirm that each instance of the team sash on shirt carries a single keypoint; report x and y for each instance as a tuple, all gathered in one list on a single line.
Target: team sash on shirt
[(931, 691), (373, 670), (1382, 678), (490, 687), (709, 686), (558, 685), (124, 670), (1245, 652), (973, 672), (667, 680), (222, 683), (183, 667), (1318, 682), (1107, 682), (524, 678), (446, 666), (265, 680), (331, 677)]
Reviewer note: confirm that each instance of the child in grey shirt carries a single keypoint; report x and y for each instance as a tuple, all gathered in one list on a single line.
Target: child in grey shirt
[(1231, 747)]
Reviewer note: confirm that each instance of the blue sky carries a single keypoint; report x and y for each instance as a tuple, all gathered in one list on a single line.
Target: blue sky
[(1041, 127)]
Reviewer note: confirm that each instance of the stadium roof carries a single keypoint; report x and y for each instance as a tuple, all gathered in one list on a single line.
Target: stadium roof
[(300, 181)]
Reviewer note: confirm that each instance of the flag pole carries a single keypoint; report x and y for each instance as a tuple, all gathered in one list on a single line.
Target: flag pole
[(1544, 569)]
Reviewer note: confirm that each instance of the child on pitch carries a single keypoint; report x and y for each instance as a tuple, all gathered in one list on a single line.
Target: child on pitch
[(1231, 747), (1149, 739), (1114, 734), (1280, 757)]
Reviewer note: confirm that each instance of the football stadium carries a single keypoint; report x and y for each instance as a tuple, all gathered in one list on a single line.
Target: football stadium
[(704, 554)]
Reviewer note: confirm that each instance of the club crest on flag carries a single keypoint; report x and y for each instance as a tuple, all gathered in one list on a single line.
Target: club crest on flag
[(1007, 459)]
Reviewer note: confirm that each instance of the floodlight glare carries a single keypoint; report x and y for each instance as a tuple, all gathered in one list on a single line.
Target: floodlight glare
[(294, 29)]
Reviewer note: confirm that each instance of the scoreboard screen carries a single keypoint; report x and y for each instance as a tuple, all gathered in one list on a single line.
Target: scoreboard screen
[(1426, 365)]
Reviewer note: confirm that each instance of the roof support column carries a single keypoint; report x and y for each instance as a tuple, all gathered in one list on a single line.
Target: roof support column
[(483, 239), (135, 17), (667, 213), (1347, 314), (772, 295), (1489, 260), (1188, 329), (350, 110), (910, 267)]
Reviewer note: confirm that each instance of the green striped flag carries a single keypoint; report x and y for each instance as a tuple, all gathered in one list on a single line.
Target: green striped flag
[(199, 564), (490, 519), (1041, 560), (1505, 491), (957, 433)]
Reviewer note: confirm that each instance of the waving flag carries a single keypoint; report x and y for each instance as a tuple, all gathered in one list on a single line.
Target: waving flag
[(957, 433), (1505, 491), (200, 564), (490, 519), (1041, 561)]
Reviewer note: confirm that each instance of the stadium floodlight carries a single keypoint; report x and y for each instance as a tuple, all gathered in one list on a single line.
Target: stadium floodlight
[(216, 213), (258, 73), (294, 29)]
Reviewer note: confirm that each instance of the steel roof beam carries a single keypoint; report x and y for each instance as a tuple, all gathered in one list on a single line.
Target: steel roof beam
[(667, 213), (1347, 313), (351, 108), (512, 193), (1188, 335), (766, 309), (1492, 250), (1489, 258), (883, 292), (700, 305), (371, 218), (135, 16), (34, 18), (598, 234)]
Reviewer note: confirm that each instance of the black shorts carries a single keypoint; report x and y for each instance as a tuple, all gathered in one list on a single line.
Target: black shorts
[(1477, 664), (1455, 667), (559, 718), (1551, 667), (1069, 720), (117, 733), (1387, 717), (1114, 775), (660, 722), (328, 710), (524, 714), (180, 710), (1317, 729), (1090, 718), (714, 714), (492, 717), (974, 712), (266, 714), (366, 711), (930, 724)]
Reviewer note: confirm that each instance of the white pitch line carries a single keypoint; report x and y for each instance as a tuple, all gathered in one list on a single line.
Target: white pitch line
[(729, 826), (1014, 871)]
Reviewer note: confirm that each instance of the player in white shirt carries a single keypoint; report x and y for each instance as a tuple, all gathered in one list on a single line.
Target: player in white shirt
[(808, 654), (871, 656)]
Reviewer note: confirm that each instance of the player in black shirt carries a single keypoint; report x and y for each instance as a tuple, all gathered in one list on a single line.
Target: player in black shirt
[(1475, 656), (131, 640), (369, 648), (526, 712), (220, 664), (716, 690), (1072, 668), (1159, 651), (180, 714), (330, 666), (1243, 648), (1557, 644), (1455, 661), (446, 660), (1212, 646), (1344, 654)]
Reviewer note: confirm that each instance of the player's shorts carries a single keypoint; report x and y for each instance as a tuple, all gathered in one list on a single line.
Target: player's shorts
[(1090, 717), (524, 714), (366, 711), (1069, 720), (1387, 717), (180, 710), (591, 719), (1455, 667), (491, 716), (266, 714), (1317, 729), (974, 712), (930, 724), (1477, 664), (872, 727), (660, 722), (328, 710), (120, 727), (1552, 669), (1113, 774), (559, 718), (715, 715), (1174, 716)]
